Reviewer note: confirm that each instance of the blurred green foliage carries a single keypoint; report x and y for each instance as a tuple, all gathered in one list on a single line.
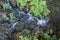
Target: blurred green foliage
[(5, 6), (21, 3), (12, 17), (21, 37), (38, 7)]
